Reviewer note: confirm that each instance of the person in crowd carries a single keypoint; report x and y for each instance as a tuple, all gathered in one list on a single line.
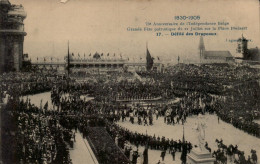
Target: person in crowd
[(173, 154), (163, 153)]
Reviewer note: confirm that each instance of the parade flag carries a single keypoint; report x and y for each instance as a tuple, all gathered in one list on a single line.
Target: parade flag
[(46, 106), (145, 154), (184, 149), (158, 58), (41, 105), (107, 54), (149, 60), (102, 54), (90, 54)]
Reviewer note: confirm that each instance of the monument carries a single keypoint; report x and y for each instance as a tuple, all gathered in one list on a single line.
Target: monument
[(200, 155), (11, 36)]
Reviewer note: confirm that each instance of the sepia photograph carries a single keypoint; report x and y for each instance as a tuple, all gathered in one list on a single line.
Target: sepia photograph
[(129, 81)]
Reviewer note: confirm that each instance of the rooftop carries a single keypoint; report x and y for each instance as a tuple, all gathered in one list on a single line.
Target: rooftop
[(5, 2), (17, 10), (217, 54)]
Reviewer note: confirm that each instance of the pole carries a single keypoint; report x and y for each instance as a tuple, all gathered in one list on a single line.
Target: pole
[(183, 139), (1, 108), (68, 58)]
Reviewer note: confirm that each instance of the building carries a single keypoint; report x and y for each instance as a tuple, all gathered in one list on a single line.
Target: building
[(221, 56), (95, 64), (248, 55), (213, 56), (49, 64), (141, 66), (100, 64), (11, 36)]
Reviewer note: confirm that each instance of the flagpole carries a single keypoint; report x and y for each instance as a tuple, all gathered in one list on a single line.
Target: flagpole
[(68, 58), (183, 139)]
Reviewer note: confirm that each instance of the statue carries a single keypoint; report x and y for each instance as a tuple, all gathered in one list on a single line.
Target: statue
[(200, 129), (200, 154)]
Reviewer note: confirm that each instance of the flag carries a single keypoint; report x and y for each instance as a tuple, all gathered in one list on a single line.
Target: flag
[(72, 54), (149, 60), (41, 105), (114, 54), (46, 106), (107, 54), (145, 154), (158, 58), (102, 54), (184, 149)]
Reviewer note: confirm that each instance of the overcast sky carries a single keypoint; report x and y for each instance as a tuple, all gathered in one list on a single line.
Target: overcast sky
[(101, 26)]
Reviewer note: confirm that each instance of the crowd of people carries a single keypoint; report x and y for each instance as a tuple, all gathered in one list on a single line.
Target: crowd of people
[(241, 107), (27, 83), (39, 135), (233, 154), (32, 135)]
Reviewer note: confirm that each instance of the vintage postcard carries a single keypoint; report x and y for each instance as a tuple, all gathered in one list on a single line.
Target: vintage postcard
[(129, 81)]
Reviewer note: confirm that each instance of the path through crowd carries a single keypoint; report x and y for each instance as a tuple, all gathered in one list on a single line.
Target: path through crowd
[(37, 98), (46, 97), (81, 152)]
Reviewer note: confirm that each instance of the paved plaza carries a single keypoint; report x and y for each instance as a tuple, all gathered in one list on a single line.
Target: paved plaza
[(214, 130)]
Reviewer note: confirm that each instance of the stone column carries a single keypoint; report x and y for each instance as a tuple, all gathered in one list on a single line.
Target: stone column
[(21, 52), (16, 55), (2, 54), (1, 108)]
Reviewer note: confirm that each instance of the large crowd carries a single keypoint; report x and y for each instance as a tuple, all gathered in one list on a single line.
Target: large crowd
[(33, 135), (39, 135)]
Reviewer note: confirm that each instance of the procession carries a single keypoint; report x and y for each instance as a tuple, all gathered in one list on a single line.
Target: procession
[(68, 111), (126, 82)]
